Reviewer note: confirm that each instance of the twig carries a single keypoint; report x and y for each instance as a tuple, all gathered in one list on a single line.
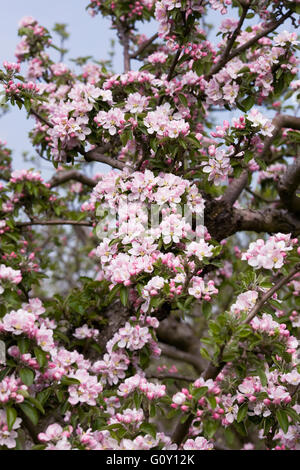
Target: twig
[(271, 27), (143, 46), (53, 222), (170, 376), (270, 292)]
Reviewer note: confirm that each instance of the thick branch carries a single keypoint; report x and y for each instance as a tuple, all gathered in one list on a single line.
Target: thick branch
[(174, 353), (182, 338), (288, 185), (124, 38), (96, 155), (64, 176), (235, 188), (270, 220)]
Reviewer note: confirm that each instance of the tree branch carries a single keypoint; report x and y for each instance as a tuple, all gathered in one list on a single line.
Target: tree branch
[(235, 188), (36, 114), (64, 176), (96, 155), (269, 28), (284, 280), (144, 46), (225, 56), (166, 376), (174, 353), (270, 220), (288, 185), (53, 222)]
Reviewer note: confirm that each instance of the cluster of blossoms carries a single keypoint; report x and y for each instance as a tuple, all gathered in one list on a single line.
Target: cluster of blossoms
[(122, 348), (244, 302), (199, 443), (165, 123), (258, 120), (223, 87), (218, 165), (138, 382), (261, 397), (270, 327), (70, 118), (270, 254), (25, 175), (27, 321), (154, 254), (30, 29), (273, 172), (84, 332), (57, 438), (164, 10), (8, 438), (8, 274), (130, 248), (86, 391), (12, 88), (135, 8), (128, 416), (12, 389)]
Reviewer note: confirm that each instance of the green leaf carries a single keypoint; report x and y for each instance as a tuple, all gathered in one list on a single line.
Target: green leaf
[(206, 309), (293, 414), (40, 357), (69, 381), (27, 376), (242, 413), (248, 103), (44, 395), (229, 436), (200, 392), (11, 416), (137, 398), (282, 419), (30, 412), (183, 100), (148, 428), (37, 404), (212, 401), (204, 354), (210, 428), (262, 376), (38, 447), (23, 345), (124, 295), (153, 410)]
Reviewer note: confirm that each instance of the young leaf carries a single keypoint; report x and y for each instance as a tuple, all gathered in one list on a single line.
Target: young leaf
[(11, 416)]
